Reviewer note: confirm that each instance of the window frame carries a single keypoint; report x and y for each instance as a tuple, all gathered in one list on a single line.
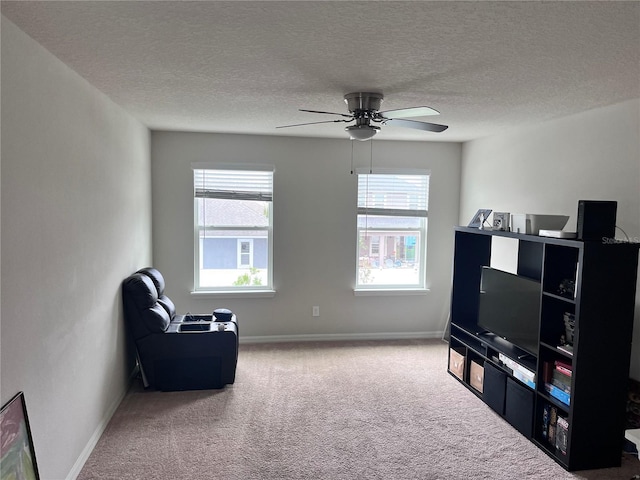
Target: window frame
[(407, 288), (198, 253), (249, 264)]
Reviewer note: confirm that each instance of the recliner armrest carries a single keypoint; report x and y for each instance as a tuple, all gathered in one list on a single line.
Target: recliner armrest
[(201, 328), (200, 317)]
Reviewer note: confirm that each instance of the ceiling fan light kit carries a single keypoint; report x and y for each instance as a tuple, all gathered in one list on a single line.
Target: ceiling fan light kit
[(364, 108), (361, 132)]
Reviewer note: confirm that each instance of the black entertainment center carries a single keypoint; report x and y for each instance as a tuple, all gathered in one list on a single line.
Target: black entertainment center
[(548, 347)]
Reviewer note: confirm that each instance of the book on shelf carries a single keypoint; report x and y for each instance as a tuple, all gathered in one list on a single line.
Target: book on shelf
[(546, 412), (562, 434), (526, 376), (560, 379), (564, 367), (553, 419), (556, 370), (558, 393), (566, 388), (566, 349), (547, 371)]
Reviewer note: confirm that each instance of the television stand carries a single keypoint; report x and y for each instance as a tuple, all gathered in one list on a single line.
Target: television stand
[(569, 403)]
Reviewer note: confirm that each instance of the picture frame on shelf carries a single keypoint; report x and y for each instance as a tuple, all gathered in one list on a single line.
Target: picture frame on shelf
[(480, 218), (18, 457), (501, 221)]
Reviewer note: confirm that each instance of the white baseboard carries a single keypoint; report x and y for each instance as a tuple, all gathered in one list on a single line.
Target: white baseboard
[(320, 337), (91, 444)]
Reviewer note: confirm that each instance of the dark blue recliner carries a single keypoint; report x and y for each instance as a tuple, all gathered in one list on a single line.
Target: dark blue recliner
[(177, 352)]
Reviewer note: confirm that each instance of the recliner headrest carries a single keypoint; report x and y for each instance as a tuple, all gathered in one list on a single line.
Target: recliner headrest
[(141, 289), (156, 277)]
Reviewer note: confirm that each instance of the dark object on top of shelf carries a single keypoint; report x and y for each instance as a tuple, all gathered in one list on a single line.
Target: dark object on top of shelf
[(596, 219)]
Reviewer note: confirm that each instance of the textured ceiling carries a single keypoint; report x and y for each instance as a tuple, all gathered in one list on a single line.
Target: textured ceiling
[(247, 67)]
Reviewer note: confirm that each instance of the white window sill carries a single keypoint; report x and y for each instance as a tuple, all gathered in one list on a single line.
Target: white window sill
[(362, 292), (234, 294)]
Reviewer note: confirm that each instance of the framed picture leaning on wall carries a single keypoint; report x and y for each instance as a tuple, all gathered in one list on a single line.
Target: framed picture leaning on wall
[(17, 455)]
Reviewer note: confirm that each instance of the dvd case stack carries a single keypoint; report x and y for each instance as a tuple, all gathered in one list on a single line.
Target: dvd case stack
[(555, 429), (549, 420), (562, 434)]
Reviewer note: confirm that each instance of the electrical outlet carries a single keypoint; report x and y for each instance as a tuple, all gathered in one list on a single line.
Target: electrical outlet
[(315, 311)]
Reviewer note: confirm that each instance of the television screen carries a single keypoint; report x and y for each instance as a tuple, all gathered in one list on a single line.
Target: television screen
[(510, 307)]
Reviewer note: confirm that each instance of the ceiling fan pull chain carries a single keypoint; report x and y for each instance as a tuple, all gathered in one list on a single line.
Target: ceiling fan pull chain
[(351, 157)]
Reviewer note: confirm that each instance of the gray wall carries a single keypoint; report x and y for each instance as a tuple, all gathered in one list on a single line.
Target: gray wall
[(548, 167), (314, 233), (76, 219)]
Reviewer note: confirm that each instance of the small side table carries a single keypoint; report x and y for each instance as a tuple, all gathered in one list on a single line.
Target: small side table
[(634, 437)]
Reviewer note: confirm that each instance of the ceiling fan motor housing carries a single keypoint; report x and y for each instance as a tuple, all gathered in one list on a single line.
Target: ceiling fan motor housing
[(363, 102)]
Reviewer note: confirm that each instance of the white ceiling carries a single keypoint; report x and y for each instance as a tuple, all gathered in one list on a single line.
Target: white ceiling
[(247, 67)]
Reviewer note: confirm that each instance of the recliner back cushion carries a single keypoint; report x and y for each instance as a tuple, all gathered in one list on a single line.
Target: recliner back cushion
[(158, 280), (156, 318), (142, 311), (156, 277), (168, 305)]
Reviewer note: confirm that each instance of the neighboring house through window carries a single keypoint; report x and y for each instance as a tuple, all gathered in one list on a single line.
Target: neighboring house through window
[(233, 229), (392, 230)]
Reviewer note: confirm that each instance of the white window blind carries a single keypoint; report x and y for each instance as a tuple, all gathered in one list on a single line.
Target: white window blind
[(233, 184), (388, 194)]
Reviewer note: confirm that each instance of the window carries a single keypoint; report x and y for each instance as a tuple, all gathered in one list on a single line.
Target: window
[(392, 230), (245, 258), (233, 229)]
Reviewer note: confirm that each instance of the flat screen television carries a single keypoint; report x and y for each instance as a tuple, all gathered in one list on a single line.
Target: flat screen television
[(510, 308)]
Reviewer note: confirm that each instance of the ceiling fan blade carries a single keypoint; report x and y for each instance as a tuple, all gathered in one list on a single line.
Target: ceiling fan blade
[(429, 127), (409, 112), (327, 113), (312, 123)]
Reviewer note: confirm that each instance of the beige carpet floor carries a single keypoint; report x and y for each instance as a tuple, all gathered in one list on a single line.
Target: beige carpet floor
[(325, 410)]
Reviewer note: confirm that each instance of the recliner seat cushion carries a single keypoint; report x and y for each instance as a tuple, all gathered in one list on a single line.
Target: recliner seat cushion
[(168, 306)]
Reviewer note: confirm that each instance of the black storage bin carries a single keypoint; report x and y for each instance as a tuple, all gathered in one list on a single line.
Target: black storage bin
[(519, 407), (493, 392)]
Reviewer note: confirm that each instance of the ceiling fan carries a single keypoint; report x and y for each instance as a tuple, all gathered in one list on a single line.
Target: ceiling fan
[(364, 109)]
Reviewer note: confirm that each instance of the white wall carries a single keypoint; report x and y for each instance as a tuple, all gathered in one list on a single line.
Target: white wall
[(315, 232), (548, 167), (76, 220)]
